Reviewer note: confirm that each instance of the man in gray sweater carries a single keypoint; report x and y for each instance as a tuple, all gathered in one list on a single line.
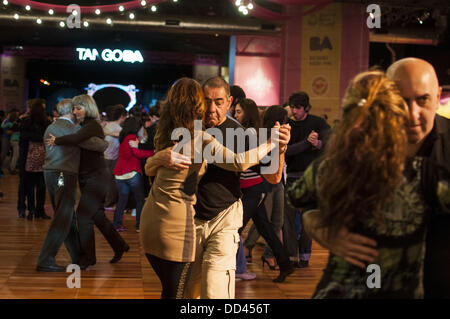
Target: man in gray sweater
[(61, 173)]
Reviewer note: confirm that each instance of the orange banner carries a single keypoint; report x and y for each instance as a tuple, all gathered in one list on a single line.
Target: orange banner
[(321, 59)]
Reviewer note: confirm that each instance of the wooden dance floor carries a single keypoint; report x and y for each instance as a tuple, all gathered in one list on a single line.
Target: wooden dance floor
[(131, 278)]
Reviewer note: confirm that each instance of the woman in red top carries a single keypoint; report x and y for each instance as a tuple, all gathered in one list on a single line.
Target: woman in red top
[(128, 173)]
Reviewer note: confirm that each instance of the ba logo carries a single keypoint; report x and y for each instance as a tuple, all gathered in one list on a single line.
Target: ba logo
[(316, 45)]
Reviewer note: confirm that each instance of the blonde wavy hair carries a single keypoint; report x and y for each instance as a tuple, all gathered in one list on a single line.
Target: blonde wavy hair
[(90, 107), (185, 102), (364, 159)]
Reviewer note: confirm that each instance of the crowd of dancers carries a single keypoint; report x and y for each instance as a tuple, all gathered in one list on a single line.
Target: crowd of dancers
[(374, 189)]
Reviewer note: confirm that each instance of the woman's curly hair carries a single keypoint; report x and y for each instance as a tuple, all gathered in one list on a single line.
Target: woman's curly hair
[(364, 158), (185, 103)]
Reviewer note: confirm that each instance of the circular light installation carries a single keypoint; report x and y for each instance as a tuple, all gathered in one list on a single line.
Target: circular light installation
[(129, 89)]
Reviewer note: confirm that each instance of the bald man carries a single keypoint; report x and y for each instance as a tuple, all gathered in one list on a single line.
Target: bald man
[(428, 136)]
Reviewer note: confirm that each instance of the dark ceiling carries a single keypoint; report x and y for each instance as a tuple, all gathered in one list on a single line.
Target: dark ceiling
[(396, 14)]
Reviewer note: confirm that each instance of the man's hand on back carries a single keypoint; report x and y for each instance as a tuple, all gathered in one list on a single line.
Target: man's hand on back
[(354, 248)]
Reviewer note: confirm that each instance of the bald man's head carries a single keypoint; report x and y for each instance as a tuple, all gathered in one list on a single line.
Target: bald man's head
[(419, 87)]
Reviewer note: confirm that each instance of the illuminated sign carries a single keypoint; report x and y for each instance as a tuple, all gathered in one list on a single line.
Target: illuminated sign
[(129, 89), (109, 55)]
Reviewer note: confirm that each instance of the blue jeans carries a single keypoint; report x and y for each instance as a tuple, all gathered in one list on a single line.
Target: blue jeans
[(124, 186), (241, 261), (296, 240)]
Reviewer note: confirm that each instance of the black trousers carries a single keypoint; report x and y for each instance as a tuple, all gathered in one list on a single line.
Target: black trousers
[(112, 194), (34, 182), (173, 276), (63, 227), (21, 193), (90, 212), (253, 208)]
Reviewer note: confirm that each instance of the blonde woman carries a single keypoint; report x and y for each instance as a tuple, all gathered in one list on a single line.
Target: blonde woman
[(93, 176)]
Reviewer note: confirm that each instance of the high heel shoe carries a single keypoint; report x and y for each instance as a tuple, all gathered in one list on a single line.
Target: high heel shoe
[(284, 273), (265, 261)]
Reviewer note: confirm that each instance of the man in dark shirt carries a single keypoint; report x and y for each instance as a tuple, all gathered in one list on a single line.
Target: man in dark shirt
[(218, 212), (308, 135), (428, 136)]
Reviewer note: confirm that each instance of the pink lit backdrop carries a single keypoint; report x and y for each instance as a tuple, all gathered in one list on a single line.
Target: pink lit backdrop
[(259, 77)]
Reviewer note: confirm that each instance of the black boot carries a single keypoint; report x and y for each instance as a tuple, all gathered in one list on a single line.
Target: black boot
[(30, 215), (22, 213), (43, 215), (118, 255), (284, 272)]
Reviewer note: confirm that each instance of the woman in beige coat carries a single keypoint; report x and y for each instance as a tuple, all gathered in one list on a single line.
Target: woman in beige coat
[(167, 221)]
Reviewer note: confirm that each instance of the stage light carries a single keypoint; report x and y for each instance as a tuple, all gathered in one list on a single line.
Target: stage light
[(86, 24), (97, 11), (423, 17), (27, 7), (16, 16), (175, 0), (154, 8), (51, 12), (74, 12), (108, 21), (5, 2), (121, 8), (44, 82), (131, 16), (39, 21), (62, 24), (244, 6), (143, 3)]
